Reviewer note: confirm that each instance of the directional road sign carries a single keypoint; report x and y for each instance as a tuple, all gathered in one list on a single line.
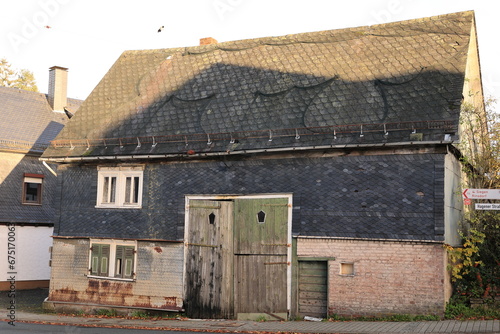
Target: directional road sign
[(481, 193)]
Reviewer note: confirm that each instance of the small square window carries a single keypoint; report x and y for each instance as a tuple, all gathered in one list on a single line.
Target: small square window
[(32, 189), (347, 269)]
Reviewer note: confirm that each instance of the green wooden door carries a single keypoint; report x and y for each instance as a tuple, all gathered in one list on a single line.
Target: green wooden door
[(313, 288), (260, 250)]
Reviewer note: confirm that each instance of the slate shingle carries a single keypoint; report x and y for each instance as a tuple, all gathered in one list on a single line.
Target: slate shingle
[(395, 76)]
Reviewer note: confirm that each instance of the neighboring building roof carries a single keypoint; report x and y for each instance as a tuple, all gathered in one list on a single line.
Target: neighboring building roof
[(365, 85), (27, 123)]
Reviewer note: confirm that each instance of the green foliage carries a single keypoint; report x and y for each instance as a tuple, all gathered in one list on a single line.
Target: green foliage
[(22, 79), (106, 312), (475, 266), (459, 308), (26, 80), (464, 260), (261, 318), (140, 314)]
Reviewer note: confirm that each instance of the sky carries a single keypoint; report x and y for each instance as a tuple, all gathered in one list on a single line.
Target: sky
[(88, 36)]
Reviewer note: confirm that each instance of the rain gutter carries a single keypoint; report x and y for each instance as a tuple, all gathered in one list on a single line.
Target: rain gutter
[(242, 152)]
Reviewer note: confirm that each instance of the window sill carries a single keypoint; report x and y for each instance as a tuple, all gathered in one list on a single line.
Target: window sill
[(101, 206), (112, 278), (34, 204)]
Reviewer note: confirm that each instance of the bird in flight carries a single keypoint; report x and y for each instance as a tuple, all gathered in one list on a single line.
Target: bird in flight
[(161, 28)]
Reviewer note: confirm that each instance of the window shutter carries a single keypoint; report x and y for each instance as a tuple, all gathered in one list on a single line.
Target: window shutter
[(119, 261), (100, 259), (104, 268), (128, 270), (124, 261), (94, 263)]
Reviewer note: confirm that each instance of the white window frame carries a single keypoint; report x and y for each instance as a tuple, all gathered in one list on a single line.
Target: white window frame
[(112, 258), (120, 174)]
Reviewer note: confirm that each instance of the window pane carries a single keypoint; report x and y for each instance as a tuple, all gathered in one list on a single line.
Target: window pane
[(109, 189), (347, 269), (105, 190), (118, 267), (128, 190), (112, 190), (136, 189), (31, 192)]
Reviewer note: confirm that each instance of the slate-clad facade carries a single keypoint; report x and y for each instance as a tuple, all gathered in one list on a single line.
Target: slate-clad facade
[(308, 174), (378, 196)]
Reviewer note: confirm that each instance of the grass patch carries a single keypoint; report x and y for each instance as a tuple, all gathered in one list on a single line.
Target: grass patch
[(106, 312), (140, 314), (460, 310)]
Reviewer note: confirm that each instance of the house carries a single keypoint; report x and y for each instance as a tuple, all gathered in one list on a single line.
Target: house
[(28, 122), (307, 174)]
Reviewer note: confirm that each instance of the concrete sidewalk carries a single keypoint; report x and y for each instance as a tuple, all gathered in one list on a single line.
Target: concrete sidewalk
[(237, 326)]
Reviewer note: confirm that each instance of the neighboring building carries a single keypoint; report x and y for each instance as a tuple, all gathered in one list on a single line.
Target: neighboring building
[(29, 195), (299, 175)]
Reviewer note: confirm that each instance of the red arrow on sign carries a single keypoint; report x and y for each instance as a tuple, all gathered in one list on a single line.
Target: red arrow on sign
[(465, 193)]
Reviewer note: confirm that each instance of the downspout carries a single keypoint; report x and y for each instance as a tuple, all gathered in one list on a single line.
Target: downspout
[(49, 168)]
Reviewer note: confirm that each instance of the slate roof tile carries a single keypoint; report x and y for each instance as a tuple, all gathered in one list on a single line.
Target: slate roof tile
[(380, 76), (27, 121)]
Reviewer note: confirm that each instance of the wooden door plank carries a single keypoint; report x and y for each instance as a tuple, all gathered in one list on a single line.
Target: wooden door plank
[(268, 237), (209, 275), (313, 288)]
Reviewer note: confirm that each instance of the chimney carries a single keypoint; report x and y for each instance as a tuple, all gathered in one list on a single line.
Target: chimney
[(207, 41), (58, 86)]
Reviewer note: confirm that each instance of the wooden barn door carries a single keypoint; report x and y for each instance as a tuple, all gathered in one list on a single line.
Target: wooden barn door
[(209, 263), (313, 288), (260, 257)]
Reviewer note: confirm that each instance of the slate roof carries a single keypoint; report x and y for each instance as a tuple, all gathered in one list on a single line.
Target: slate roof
[(365, 85), (27, 121)]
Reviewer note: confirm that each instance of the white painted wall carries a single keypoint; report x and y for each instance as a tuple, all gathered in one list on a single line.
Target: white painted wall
[(31, 252), (452, 200)]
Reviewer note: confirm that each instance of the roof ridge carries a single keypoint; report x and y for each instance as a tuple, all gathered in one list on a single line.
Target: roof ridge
[(22, 91), (426, 19), (283, 40)]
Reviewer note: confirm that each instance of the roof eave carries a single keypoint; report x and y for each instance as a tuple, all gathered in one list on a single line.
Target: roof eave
[(242, 152)]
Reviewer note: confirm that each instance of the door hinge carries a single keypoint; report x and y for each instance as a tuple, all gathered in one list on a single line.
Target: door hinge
[(201, 245)]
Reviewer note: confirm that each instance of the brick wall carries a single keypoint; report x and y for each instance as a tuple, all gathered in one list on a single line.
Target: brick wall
[(158, 288), (389, 277)]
